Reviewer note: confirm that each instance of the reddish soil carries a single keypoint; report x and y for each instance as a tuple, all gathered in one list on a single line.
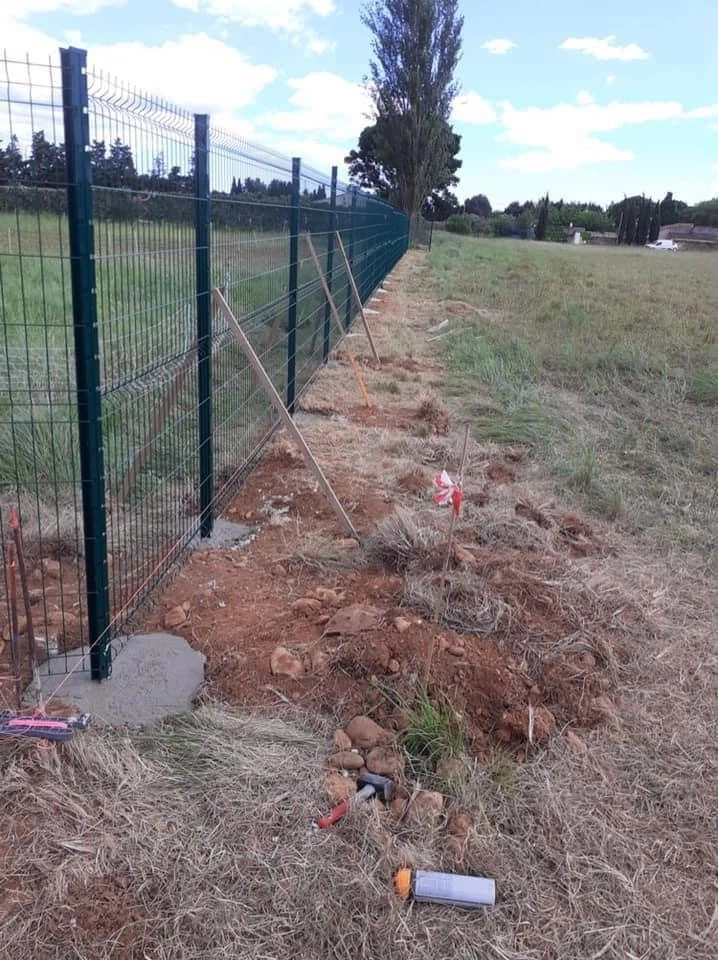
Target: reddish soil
[(549, 663), (549, 660)]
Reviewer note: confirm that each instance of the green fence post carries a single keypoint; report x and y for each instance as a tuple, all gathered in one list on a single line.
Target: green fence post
[(87, 354), (330, 260), (350, 258), (204, 322), (293, 285)]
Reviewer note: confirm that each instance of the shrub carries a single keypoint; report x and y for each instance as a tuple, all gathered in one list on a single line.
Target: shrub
[(459, 223)]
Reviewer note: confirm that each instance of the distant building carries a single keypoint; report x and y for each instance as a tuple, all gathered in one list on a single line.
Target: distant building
[(689, 234)]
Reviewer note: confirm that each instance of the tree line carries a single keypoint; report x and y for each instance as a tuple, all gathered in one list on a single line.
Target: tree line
[(634, 220), (36, 183)]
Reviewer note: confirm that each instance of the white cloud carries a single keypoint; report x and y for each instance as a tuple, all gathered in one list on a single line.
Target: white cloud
[(186, 72), (610, 79), (569, 155), (75, 7), (310, 41), (472, 108), (287, 15), (584, 98), (325, 105), (566, 136), (315, 153), (703, 113), (540, 126), (604, 48), (499, 46)]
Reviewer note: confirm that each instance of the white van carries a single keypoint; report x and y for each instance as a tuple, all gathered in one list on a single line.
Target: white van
[(663, 245)]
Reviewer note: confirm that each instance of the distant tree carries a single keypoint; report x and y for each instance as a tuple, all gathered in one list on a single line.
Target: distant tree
[(704, 214), (416, 46), (655, 227), (514, 209), (255, 185), (46, 166), (643, 222), (672, 211), (478, 205), (281, 188), (12, 163), (121, 165), (631, 223), (440, 206), (542, 222)]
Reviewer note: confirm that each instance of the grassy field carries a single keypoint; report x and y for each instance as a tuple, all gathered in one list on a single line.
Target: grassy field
[(604, 361)]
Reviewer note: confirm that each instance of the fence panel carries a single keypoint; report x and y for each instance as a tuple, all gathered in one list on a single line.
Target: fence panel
[(39, 438), (178, 207)]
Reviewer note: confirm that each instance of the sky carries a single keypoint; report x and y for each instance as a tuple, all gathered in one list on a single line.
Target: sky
[(585, 101)]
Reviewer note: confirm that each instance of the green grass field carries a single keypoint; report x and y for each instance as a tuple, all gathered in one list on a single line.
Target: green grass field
[(604, 361)]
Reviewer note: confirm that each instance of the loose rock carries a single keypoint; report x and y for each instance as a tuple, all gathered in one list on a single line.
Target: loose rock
[(346, 760), (394, 666), (427, 807), (365, 733), (338, 788), (353, 620), (342, 740), (386, 762), (284, 664), (307, 606), (327, 595), (401, 624), (460, 825)]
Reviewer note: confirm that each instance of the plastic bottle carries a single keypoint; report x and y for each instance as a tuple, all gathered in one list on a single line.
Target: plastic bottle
[(452, 889)]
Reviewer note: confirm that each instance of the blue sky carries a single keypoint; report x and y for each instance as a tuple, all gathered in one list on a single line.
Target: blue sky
[(585, 101)]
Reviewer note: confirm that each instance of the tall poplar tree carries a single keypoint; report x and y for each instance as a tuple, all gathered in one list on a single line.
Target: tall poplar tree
[(416, 47)]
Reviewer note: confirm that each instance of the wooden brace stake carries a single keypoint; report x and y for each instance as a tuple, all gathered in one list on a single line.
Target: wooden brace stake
[(355, 291), (284, 414), (338, 320)]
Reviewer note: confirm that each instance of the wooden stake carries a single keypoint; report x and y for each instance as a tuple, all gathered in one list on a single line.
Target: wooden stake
[(10, 573), (284, 414), (355, 291), (447, 559), (158, 421), (29, 627), (338, 320)]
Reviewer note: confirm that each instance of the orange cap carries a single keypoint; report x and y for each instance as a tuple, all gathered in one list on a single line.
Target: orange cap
[(402, 882)]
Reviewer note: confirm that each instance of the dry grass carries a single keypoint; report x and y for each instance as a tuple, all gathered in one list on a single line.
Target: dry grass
[(194, 842), (462, 599), (406, 540)]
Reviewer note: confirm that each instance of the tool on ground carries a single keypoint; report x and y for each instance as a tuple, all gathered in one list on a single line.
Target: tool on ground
[(451, 889), (40, 726), (368, 785)]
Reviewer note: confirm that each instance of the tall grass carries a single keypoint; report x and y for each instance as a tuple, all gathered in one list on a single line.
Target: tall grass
[(602, 359)]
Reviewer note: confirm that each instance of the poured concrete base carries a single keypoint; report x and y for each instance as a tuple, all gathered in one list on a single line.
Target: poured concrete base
[(153, 676)]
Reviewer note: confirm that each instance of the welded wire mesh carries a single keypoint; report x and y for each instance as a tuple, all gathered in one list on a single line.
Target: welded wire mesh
[(169, 432), (39, 472)]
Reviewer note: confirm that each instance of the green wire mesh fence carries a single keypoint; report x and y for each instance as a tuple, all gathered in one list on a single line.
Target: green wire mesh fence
[(128, 412)]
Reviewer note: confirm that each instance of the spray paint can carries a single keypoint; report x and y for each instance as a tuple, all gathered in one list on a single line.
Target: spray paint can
[(451, 889)]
